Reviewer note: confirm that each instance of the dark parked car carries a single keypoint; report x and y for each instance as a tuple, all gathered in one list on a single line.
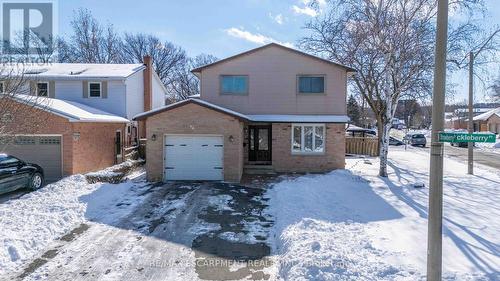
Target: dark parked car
[(460, 144), (354, 131), (16, 174), (416, 139)]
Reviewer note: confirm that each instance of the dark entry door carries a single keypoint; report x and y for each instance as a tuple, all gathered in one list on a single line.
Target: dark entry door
[(259, 140)]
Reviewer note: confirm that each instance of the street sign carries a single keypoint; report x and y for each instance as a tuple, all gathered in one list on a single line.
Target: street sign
[(465, 137)]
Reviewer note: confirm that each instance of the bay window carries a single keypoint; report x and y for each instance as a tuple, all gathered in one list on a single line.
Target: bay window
[(308, 138)]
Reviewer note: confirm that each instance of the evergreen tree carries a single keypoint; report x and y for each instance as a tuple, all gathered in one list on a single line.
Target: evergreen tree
[(353, 110)]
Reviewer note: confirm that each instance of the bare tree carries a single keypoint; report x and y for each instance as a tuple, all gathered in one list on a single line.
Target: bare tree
[(390, 44), (186, 83), (19, 106), (496, 89), (90, 41), (167, 58)]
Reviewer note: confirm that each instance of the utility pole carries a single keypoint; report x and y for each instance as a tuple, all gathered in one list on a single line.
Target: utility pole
[(435, 219), (470, 126)]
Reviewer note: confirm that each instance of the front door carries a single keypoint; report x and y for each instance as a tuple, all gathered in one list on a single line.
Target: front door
[(118, 146), (259, 140)]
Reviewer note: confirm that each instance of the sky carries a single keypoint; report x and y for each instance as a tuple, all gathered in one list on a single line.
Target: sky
[(224, 27)]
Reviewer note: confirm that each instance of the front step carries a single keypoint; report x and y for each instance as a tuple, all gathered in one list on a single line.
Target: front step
[(259, 170)]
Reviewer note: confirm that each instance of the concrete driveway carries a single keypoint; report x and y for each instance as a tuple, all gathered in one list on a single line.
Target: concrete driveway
[(181, 231)]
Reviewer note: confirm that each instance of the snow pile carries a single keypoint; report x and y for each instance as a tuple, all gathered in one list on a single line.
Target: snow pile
[(36, 219), (489, 147), (319, 232), (354, 225), (318, 250)]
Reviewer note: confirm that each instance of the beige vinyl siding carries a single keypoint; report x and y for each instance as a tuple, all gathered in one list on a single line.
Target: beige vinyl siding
[(272, 84), (104, 89), (85, 89), (52, 89)]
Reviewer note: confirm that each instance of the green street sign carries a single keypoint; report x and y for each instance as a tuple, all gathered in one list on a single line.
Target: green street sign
[(465, 137)]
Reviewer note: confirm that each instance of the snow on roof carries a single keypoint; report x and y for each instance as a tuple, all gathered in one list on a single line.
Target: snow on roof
[(74, 111), (254, 118), (300, 118), (486, 115), (73, 71)]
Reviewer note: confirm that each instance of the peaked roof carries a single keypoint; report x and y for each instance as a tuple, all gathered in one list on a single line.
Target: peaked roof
[(72, 71), (73, 111), (199, 69), (487, 115), (188, 101)]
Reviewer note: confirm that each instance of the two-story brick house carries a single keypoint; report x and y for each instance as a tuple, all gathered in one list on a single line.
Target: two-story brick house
[(271, 106), (87, 111)]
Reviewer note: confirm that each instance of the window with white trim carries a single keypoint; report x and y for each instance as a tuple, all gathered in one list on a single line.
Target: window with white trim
[(95, 89), (310, 84), (308, 138), (42, 89), (234, 84)]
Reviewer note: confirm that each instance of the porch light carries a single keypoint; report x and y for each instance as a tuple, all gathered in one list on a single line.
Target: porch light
[(153, 137), (231, 138)]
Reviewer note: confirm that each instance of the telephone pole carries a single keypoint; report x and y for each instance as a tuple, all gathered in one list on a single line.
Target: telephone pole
[(470, 127), (435, 219)]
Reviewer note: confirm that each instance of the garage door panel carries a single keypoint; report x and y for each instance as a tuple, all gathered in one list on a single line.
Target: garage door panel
[(44, 151), (193, 157)]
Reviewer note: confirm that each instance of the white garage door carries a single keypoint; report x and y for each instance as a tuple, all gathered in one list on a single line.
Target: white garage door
[(190, 157)]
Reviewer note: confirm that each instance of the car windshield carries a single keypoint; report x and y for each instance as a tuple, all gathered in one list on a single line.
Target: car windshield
[(418, 136), (8, 160)]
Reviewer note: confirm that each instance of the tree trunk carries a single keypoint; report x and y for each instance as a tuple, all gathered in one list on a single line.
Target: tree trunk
[(384, 148), (380, 133)]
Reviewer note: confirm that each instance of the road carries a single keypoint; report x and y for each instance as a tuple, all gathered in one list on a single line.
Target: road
[(480, 157)]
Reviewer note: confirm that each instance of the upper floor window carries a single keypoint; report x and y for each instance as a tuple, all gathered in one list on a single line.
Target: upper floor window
[(42, 89), (311, 84), (1, 87), (95, 89), (234, 84)]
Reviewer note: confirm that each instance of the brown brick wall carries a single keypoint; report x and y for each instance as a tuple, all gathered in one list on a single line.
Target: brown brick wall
[(285, 161), (42, 123), (95, 148), (493, 124), (93, 151), (194, 119)]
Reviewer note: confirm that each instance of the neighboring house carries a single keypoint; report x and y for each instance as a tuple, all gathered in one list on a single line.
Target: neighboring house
[(459, 118), (488, 121), (272, 107), (87, 111)]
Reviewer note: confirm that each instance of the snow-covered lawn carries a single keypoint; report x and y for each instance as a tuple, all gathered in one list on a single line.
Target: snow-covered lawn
[(353, 225), (30, 223)]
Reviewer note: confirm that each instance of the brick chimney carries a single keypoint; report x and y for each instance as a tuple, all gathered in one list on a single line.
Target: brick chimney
[(148, 83)]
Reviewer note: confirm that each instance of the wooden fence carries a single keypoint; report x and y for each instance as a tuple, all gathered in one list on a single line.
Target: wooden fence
[(361, 146)]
